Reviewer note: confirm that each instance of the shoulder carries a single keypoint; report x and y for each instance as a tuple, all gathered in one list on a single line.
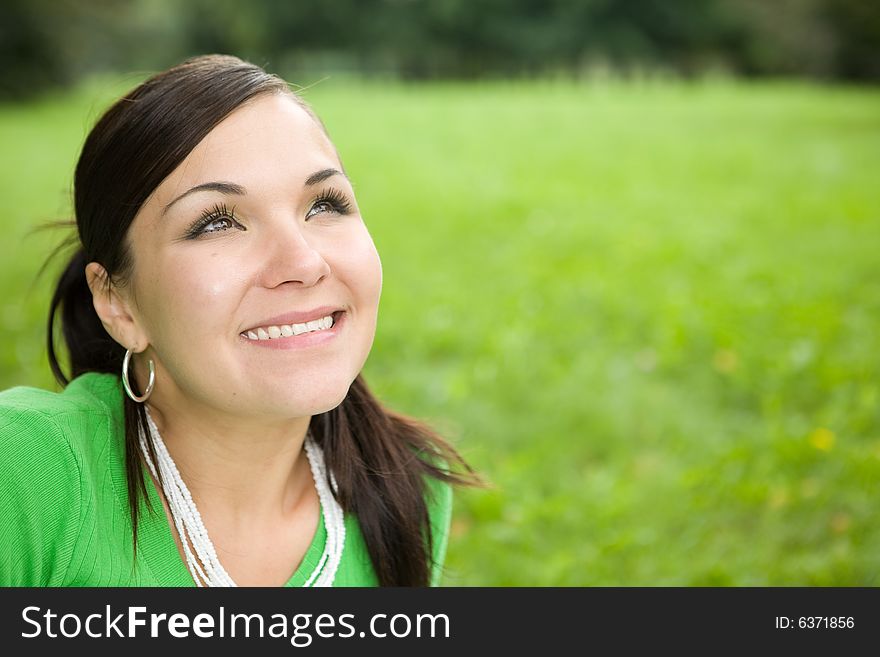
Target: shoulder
[(89, 391), (45, 438), (30, 431), (35, 422), (49, 435)]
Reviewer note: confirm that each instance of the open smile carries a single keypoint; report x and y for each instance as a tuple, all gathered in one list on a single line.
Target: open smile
[(292, 336)]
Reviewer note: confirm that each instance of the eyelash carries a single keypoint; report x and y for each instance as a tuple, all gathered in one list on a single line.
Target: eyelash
[(333, 197), (218, 211), (336, 199)]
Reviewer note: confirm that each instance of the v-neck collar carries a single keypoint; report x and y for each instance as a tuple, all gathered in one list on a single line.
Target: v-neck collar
[(156, 547), (159, 551)]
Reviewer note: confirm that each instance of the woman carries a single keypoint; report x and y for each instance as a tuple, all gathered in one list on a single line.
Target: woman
[(218, 311)]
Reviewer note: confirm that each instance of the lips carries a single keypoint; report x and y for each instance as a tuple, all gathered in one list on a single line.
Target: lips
[(286, 338)]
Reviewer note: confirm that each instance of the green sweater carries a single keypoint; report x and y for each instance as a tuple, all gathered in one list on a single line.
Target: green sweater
[(64, 518)]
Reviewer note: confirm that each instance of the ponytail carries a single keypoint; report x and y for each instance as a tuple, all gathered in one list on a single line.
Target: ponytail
[(380, 460)]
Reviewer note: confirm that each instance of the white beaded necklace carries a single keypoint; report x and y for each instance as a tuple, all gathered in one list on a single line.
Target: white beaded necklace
[(204, 565)]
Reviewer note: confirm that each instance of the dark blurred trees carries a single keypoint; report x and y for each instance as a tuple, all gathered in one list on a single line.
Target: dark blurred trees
[(857, 23), (44, 42)]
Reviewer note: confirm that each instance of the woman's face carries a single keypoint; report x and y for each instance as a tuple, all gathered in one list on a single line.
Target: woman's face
[(256, 233)]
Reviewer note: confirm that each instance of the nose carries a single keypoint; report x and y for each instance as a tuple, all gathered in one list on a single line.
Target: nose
[(292, 256)]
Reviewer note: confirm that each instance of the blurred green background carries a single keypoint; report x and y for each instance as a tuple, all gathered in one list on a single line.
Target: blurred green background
[(630, 254)]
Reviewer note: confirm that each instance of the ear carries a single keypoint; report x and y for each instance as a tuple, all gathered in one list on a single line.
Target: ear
[(114, 310)]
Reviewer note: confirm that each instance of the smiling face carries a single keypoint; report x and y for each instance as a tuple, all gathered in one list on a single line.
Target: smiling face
[(253, 235)]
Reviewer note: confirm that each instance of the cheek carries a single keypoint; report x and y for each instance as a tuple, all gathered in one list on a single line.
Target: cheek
[(361, 268), (191, 298)]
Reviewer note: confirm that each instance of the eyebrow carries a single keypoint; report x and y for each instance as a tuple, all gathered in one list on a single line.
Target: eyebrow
[(227, 188), (321, 176), (230, 188)]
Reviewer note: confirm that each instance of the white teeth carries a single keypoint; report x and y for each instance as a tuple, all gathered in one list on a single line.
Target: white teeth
[(286, 330)]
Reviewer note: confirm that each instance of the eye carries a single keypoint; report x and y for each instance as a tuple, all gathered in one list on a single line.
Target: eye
[(321, 206), (329, 201), (207, 228), (215, 220)]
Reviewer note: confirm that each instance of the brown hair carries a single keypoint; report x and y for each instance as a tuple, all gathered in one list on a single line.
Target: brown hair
[(379, 458)]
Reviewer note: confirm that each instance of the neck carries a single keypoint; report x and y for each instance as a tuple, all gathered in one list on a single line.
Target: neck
[(242, 469)]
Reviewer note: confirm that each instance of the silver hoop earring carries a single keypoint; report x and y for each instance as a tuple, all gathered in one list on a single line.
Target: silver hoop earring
[(127, 385)]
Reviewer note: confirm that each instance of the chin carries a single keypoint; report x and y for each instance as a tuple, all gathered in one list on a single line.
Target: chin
[(302, 403), (326, 403)]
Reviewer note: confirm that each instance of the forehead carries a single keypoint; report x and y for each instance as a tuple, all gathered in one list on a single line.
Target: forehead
[(269, 141)]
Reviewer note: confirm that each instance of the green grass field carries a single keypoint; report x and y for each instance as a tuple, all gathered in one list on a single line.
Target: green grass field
[(647, 313)]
